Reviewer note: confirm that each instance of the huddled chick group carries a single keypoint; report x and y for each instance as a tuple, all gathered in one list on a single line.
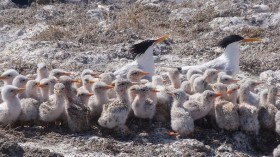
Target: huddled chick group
[(57, 97)]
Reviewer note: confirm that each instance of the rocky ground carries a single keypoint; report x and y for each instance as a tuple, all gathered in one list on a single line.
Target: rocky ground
[(75, 36)]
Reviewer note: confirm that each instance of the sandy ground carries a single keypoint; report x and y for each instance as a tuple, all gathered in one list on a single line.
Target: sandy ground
[(98, 36)]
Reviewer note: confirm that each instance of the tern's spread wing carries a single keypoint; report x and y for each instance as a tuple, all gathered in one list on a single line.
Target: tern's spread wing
[(122, 72)]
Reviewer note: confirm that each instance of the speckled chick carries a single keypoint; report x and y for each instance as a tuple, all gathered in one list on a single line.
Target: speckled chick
[(44, 88), (246, 95), (51, 110), (114, 114), (142, 106), (174, 76), (96, 102), (32, 90), (199, 109), (77, 113), (20, 82), (181, 120), (268, 110), (248, 112), (226, 112), (42, 71), (88, 82)]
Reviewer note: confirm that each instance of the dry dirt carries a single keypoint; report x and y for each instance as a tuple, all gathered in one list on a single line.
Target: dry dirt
[(75, 36)]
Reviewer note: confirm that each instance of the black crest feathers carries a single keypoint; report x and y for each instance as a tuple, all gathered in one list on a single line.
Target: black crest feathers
[(229, 39), (140, 48)]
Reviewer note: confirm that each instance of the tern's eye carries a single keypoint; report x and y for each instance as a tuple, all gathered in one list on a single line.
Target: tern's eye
[(8, 75), (47, 84), (12, 90)]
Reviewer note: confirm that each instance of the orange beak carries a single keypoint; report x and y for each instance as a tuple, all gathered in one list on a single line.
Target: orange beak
[(144, 73), (2, 77), (108, 87), (161, 39), (76, 81), (90, 94), (251, 39), (230, 92), (218, 94), (95, 74), (67, 73), (41, 85), (19, 90), (155, 90), (91, 81)]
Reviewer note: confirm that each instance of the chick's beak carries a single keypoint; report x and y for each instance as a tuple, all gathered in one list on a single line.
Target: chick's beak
[(41, 85), (218, 94), (67, 73), (90, 94), (76, 81), (155, 90), (19, 90), (95, 74), (109, 87), (2, 77), (91, 81), (161, 39), (144, 73), (230, 92)]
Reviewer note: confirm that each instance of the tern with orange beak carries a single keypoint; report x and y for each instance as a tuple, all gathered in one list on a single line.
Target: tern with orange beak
[(144, 58), (229, 60)]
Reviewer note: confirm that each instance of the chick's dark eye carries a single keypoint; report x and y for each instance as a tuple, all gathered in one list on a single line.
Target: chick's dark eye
[(47, 84), (12, 90), (9, 75)]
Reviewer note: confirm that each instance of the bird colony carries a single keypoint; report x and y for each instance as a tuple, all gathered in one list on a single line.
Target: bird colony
[(108, 99)]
